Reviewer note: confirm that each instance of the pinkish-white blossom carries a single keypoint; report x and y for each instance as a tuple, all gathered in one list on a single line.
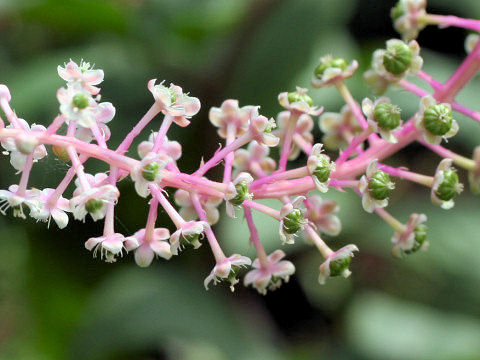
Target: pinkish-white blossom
[(226, 270)]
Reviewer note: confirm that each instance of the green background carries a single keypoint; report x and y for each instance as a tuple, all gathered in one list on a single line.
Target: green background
[(57, 302)]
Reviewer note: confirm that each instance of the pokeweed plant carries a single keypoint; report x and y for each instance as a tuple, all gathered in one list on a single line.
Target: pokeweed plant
[(365, 134)]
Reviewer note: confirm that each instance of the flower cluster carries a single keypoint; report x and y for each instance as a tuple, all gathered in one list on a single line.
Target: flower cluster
[(364, 133)]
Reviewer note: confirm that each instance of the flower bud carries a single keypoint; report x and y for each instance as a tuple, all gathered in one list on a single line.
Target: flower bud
[(323, 169), (420, 239), (293, 221), (380, 185), (298, 97), (338, 63), (150, 171), (93, 205), (80, 101), (387, 115), (448, 189), (61, 153), (437, 119), (398, 58)]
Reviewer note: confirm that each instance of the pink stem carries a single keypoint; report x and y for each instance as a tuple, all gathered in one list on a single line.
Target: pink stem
[(152, 217), (287, 139), (162, 133), (302, 144), (227, 173), (351, 148), (263, 208), (22, 186), (255, 239), (56, 124), (169, 209), (407, 175)]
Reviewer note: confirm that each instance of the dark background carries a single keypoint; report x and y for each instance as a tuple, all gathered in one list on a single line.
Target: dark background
[(57, 302)]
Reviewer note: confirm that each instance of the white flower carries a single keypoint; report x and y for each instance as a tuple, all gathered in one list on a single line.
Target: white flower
[(102, 113), (445, 185), (47, 210), (188, 212), (148, 248), (407, 17), (405, 241), (236, 198), (227, 270), (229, 113), (369, 202), (299, 102), (337, 264), (319, 166), (83, 74), (321, 213), (174, 102), (331, 72), (430, 105), (415, 63), (18, 156), (189, 233), (10, 198), (291, 220), (254, 157), (171, 148), (303, 130), (149, 171), (369, 107), (271, 276), (110, 246), (93, 201)]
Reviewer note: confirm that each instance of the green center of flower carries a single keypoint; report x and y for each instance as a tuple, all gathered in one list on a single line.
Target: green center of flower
[(387, 115), (189, 239), (150, 171), (449, 188), (80, 101), (380, 186), (294, 221), (270, 126), (438, 119), (323, 169), (338, 267), (338, 63), (397, 58), (93, 205), (242, 194), (173, 97), (420, 238), (298, 97)]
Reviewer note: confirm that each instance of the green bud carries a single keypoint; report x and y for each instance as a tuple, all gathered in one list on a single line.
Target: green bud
[(322, 172), (380, 185), (61, 153), (293, 222), (80, 101), (438, 119), (397, 58), (397, 11), (338, 267), (449, 187), (420, 237), (296, 97), (242, 194), (387, 115), (173, 97), (93, 205), (335, 63), (150, 171)]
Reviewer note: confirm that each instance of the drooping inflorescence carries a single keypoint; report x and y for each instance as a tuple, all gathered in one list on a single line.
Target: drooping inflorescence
[(365, 136)]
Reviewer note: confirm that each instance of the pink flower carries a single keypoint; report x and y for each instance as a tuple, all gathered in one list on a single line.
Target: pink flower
[(254, 157), (227, 270), (110, 246), (303, 129), (405, 241), (149, 171), (321, 213), (83, 74), (170, 148), (189, 233), (230, 114), (337, 264), (154, 245), (261, 129), (10, 198), (299, 102), (47, 210), (270, 276), (174, 102), (188, 212), (18, 153), (92, 201)]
